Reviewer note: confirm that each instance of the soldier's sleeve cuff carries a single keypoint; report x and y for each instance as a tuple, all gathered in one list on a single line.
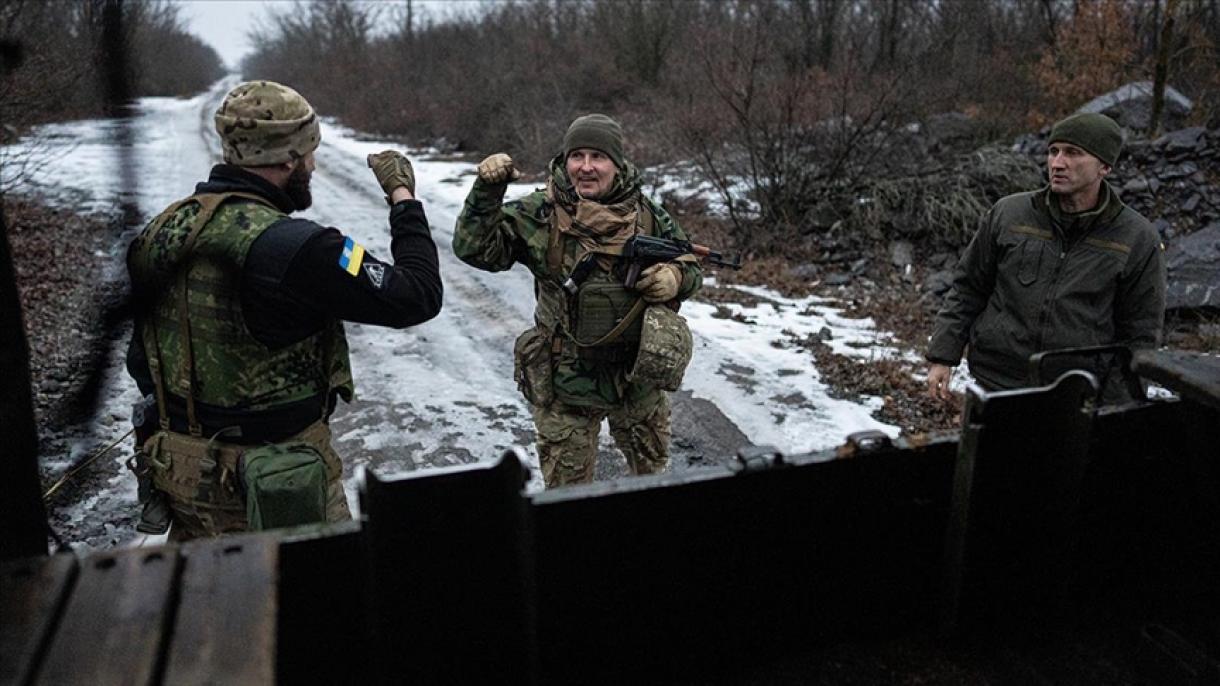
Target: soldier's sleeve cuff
[(485, 197)]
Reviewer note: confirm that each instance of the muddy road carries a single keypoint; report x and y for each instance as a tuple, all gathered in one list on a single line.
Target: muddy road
[(436, 395)]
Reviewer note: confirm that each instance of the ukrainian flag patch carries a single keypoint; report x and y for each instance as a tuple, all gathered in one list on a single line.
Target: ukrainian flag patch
[(352, 257)]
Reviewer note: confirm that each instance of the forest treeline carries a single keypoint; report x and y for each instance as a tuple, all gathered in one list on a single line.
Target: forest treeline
[(62, 66), (783, 95)]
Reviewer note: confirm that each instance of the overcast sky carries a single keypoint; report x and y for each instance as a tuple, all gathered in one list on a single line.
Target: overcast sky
[(224, 24)]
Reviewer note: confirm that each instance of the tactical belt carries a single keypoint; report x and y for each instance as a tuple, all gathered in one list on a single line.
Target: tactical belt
[(184, 465)]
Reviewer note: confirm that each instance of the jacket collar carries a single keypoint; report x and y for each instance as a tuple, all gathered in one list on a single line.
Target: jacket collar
[(228, 178), (1109, 206)]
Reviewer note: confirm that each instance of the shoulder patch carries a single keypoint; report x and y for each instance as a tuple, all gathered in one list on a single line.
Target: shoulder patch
[(352, 256), (376, 272)]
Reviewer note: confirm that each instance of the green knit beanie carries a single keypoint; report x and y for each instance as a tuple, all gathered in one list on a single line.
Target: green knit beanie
[(595, 131), (1097, 134)]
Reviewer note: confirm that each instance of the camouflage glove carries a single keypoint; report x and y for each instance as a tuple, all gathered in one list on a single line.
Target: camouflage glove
[(498, 168), (659, 282), (393, 170)]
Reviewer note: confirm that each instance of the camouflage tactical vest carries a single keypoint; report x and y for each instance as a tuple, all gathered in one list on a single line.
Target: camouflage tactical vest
[(232, 368), (558, 312)]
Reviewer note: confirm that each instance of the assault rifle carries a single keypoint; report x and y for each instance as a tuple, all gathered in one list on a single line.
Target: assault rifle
[(641, 252)]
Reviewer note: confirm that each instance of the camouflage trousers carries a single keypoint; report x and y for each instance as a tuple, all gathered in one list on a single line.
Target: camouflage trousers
[(204, 495), (567, 437)]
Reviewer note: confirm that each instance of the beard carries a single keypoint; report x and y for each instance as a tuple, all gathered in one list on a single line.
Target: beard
[(297, 187)]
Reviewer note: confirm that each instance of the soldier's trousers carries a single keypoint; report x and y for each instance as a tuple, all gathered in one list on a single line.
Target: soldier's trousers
[(208, 502), (567, 437)]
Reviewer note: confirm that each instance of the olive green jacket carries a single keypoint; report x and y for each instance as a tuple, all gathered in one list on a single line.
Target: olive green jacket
[(1028, 284), (493, 236)]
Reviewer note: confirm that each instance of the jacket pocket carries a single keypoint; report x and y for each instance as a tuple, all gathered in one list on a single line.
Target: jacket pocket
[(1031, 261), (533, 369)]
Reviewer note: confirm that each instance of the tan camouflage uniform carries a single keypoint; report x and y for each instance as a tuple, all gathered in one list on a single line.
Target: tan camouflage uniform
[(567, 438), (569, 392)]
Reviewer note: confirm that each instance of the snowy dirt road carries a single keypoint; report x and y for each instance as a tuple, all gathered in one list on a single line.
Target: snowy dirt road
[(441, 393)]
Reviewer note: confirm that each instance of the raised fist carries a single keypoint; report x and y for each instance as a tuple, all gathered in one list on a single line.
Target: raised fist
[(498, 168), (393, 170)]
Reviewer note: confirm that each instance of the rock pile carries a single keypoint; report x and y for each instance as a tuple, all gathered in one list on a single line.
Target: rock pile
[(924, 214), (1173, 180), (1194, 270)]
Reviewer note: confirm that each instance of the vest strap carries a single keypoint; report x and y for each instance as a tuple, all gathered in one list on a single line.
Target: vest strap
[(152, 348), (554, 250), (646, 225), (208, 204), (613, 334)]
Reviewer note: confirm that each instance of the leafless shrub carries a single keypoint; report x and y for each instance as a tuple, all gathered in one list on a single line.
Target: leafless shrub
[(53, 83), (780, 102)]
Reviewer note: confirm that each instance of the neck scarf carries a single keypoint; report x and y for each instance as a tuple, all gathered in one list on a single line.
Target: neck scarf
[(602, 225)]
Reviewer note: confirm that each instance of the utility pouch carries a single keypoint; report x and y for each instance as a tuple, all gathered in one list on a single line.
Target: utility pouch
[(533, 369), (666, 346), (606, 313), (285, 485)]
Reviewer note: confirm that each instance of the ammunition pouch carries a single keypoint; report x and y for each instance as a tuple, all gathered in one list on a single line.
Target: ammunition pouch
[(533, 366), (665, 349), (606, 323), (196, 471)]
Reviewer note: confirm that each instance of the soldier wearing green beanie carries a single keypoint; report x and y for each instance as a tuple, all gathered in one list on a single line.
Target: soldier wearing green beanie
[(1094, 133), (1066, 266), (575, 365), (239, 340), (598, 132)]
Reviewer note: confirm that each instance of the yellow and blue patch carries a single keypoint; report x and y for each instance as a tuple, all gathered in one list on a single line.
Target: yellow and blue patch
[(352, 257)]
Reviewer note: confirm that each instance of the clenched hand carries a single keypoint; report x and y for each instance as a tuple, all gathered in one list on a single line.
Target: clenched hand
[(393, 171), (498, 168), (659, 282)]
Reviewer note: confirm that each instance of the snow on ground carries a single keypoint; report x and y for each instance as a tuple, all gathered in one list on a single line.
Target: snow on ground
[(684, 181), (777, 397), (441, 393)]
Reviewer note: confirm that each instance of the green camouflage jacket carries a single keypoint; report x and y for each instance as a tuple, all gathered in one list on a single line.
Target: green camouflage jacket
[(493, 236)]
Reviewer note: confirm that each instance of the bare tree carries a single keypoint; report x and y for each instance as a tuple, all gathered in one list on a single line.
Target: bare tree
[(1161, 69)]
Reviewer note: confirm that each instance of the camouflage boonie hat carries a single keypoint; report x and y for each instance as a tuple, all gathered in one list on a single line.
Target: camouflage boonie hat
[(263, 122), (666, 347)]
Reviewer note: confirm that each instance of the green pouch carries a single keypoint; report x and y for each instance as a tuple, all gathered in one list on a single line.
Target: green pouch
[(532, 366), (285, 485), (601, 306)]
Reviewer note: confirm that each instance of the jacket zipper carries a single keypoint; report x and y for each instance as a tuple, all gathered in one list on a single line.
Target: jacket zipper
[(1044, 316)]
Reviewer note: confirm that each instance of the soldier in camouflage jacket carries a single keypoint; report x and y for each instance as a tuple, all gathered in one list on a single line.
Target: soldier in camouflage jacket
[(592, 204), (265, 295)]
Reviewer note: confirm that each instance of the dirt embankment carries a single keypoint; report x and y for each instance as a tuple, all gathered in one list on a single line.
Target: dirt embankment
[(68, 305)]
